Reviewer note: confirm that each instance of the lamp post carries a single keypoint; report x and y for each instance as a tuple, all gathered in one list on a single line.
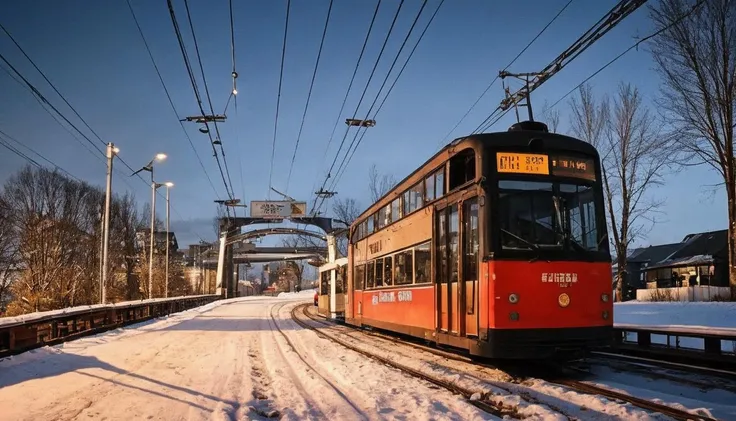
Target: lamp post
[(168, 185), (111, 152), (149, 167)]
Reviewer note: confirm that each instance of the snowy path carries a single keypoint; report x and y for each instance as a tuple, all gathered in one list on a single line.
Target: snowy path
[(226, 361)]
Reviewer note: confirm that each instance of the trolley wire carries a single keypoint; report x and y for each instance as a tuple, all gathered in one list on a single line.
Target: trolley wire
[(444, 139), (344, 101), (234, 96), (209, 100), (633, 46), (309, 95), (362, 96), (195, 88), (168, 96), (278, 99), (355, 141)]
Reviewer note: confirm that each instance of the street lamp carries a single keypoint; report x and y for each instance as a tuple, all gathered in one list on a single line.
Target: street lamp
[(168, 185), (111, 152), (149, 167)]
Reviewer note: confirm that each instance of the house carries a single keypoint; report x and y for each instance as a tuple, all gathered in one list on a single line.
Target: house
[(641, 258), (701, 259)]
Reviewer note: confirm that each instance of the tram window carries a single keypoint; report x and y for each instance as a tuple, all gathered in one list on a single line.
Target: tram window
[(396, 209), (325, 286), (462, 168), (453, 231), (370, 274), (403, 262), (422, 263), (359, 277), (429, 188), (384, 216), (388, 271), (417, 197), (369, 225), (407, 202), (339, 280), (470, 215), (379, 272), (439, 183)]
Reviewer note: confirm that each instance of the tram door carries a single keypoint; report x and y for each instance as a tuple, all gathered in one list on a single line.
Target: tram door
[(447, 245), (470, 254), (457, 267)]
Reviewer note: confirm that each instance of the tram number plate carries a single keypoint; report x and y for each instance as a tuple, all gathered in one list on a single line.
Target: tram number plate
[(522, 163), (391, 297)]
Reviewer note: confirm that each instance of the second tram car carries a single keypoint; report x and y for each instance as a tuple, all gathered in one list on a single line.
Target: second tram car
[(497, 244), (332, 272)]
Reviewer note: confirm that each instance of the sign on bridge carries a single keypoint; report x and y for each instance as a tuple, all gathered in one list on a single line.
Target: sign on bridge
[(277, 209)]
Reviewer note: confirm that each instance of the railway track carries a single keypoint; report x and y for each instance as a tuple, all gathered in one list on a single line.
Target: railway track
[(552, 374), (475, 398)]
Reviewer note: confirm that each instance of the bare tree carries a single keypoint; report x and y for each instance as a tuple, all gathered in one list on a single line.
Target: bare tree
[(8, 255), (551, 117), (378, 183), (634, 156), (696, 58)]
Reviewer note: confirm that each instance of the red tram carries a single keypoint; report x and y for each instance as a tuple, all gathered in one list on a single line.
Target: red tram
[(498, 245)]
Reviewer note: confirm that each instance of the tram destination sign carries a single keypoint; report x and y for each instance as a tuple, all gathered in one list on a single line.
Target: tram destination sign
[(277, 209), (543, 164)]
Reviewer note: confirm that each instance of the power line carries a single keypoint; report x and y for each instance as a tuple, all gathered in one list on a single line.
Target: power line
[(444, 139), (355, 141), (362, 96), (309, 96), (401, 71), (344, 101), (633, 46), (33, 151), (209, 99), (234, 93), (195, 88), (278, 99), (168, 96)]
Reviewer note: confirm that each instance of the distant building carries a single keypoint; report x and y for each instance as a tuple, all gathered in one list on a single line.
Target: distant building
[(699, 259), (143, 241)]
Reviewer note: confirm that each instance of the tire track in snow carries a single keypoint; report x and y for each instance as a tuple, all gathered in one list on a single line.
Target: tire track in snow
[(335, 411)]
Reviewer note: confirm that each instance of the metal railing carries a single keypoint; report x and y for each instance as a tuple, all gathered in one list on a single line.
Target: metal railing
[(713, 347), (35, 330)]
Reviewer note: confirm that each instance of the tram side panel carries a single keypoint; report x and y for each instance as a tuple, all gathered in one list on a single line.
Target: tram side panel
[(396, 300)]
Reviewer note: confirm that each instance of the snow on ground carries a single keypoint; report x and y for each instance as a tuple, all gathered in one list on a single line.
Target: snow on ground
[(693, 317), (222, 361), (677, 389), (711, 314)]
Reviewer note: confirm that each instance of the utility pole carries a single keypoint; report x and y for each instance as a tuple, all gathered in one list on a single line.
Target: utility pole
[(111, 151), (168, 185)]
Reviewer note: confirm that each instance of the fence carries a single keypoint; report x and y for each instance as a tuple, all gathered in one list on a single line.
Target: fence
[(22, 333), (693, 293)]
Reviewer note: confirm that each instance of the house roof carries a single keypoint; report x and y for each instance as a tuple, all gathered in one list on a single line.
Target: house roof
[(696, 249), (653, 254)]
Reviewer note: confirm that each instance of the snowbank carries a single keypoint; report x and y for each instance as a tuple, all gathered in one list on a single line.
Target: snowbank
[(305, 293), (708, 314)]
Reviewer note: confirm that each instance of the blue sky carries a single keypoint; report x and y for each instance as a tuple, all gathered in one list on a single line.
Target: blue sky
[(92, 52)]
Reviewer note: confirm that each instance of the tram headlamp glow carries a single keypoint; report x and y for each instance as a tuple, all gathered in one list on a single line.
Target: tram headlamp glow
[(513, 298), (563, 300), (604, 298)]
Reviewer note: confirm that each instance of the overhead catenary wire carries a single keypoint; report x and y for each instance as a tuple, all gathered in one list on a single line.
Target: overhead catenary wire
[(168, 96), (234, 95), (278, 99), (344, 101), (4, 138), (309, 95), (209, 101), (401, 71), (472, 107), (350, 151), (362, 96), (195, 88), (633, 46)]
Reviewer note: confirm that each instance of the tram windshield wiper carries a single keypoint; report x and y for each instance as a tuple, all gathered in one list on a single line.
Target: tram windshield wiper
[(526, 242)]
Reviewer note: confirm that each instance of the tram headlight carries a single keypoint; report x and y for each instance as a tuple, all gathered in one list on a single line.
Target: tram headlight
[(563, 300), (513, 298), (604, 298)]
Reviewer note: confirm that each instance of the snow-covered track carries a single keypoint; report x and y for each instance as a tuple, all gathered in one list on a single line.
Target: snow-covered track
[(549, 372), (474, 397)]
